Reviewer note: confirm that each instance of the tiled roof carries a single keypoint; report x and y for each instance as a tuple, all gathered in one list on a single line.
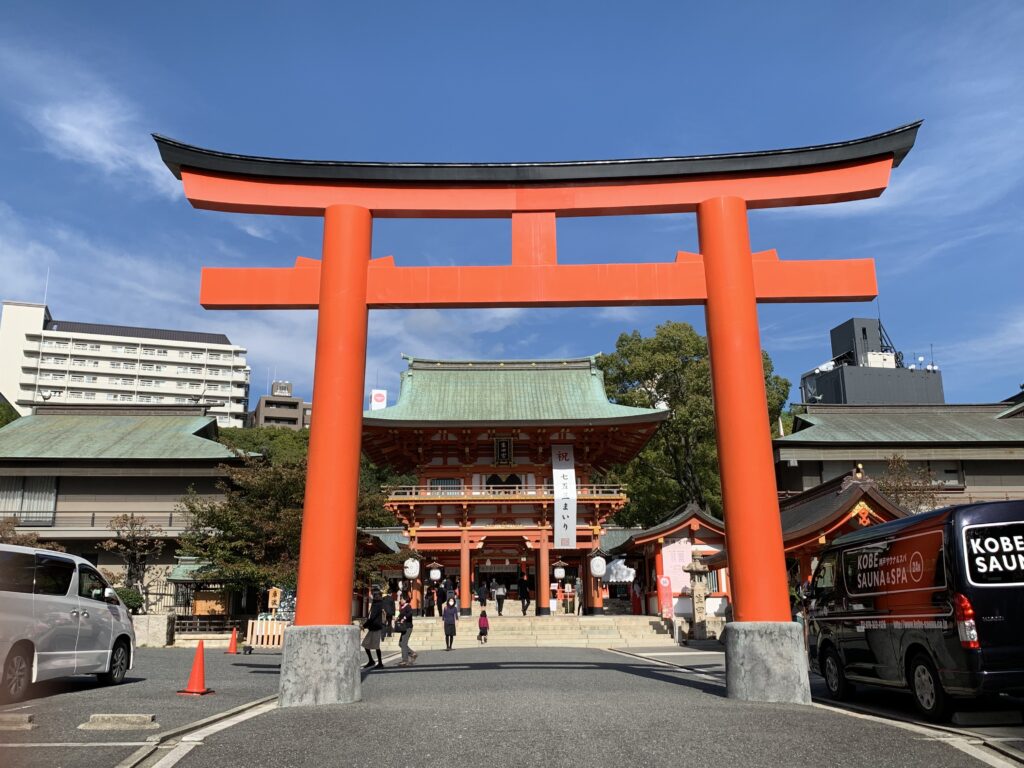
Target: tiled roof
[(107, 435), (510, 391), (874, 425), (814, 508)]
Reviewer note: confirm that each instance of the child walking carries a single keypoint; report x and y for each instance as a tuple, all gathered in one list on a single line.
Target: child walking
[(483, 624)]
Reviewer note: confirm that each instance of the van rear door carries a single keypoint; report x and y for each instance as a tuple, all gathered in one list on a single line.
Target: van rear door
[(992, 547)]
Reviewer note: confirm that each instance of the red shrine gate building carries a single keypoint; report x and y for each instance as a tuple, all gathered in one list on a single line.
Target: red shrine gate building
[(479, 437)]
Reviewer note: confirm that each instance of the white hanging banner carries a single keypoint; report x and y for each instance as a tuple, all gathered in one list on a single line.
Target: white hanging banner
[(378, 399), (563, 467)]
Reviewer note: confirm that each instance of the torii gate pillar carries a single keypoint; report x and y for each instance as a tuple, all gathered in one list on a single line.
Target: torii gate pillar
[(765, 656)]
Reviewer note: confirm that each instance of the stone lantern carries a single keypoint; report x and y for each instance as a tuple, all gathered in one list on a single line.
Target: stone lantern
[(698, 592)]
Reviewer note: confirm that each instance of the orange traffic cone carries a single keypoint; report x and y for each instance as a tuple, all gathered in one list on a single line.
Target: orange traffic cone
[(197, 680), (233, 645)]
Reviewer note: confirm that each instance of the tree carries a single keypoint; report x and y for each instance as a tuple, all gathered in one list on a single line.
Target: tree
[(136, 542), (9, 534), (251, 537), (912, 488), (672, 370), (7, 413)]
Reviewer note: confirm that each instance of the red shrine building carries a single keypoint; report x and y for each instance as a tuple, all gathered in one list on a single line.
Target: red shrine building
[(506, 456)]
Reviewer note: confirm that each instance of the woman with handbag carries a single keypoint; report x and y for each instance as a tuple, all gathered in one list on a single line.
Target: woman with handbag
[(450, 617), (403, 626), (373, 625)]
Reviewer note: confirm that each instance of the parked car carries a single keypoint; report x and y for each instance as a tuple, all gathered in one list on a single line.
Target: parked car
[(932, 602), (58, 616)]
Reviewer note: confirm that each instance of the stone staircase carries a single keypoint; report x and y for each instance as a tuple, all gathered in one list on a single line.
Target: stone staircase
[(543, 631)]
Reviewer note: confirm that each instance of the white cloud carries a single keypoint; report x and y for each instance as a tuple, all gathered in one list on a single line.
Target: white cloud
[(82, 119)]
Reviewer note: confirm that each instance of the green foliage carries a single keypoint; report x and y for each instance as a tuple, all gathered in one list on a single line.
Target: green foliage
[(131, 597), (7, 413), (278, 445), (680, 464)]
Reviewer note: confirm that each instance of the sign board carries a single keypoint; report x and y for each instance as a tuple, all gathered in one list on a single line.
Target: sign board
[(677, 553), (503, 451), (904, 564), (563, 476), (995, 554), (378, 399), (274, 598), (665, 597)]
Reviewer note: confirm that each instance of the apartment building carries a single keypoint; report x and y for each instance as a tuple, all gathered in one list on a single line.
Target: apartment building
[(281, 409), (43, 360)]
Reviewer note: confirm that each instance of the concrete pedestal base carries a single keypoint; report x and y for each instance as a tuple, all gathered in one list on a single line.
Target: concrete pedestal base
[(766, 661), (320, 665)]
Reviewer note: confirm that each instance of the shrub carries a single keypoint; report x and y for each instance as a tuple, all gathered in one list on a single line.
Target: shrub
[(131, 597)]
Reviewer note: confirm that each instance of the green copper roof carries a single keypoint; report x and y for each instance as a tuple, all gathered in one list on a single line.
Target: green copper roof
[(509, 392), (904, 424), (107, 436)]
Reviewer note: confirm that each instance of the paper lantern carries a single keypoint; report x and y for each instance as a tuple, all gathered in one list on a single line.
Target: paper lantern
[(559, 573), (435, 574), (411, 568), (598, 566)]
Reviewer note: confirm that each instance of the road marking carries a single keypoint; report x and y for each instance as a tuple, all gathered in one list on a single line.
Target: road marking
[(45, 744), (980, 754), (241, 717), (172, 757)]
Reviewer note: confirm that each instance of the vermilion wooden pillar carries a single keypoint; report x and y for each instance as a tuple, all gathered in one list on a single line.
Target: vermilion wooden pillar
[(543, 575), (659, 571), (465, 576), (327, 565), (752, 524)]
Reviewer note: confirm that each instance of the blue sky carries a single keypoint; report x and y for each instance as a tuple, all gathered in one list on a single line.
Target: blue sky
[(83, 193)]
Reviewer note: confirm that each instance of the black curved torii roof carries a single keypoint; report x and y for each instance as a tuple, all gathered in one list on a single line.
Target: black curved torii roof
[(896, 142)]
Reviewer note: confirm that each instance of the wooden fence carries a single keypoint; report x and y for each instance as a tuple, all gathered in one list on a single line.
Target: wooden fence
[(265, 633)]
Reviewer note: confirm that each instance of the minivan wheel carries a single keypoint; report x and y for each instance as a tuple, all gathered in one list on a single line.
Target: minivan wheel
[(838, 686), (17, 675), (929, 696), (118, 665)]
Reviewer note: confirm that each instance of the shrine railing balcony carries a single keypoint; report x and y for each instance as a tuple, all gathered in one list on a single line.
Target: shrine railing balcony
[(503, 493)]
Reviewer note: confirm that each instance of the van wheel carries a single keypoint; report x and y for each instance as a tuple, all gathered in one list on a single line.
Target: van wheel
[(839, 688), (17, 675), (929, 696), (118, 665)]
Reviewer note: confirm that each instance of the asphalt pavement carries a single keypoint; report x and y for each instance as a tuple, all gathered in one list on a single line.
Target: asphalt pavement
[(491, 708)]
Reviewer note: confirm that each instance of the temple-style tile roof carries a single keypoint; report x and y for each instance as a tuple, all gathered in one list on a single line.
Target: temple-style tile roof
[(874, 430), (506, 392), (102, 433), (677, 520)]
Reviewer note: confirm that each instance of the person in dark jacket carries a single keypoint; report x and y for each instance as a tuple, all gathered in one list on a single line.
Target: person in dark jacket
[(389, 612), (524, 594), (404, 627), (450, 617), (373, 626), (481, 593), (428, 602)]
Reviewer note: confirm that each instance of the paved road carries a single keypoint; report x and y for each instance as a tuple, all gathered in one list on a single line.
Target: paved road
[(60, 706), (490, 708)]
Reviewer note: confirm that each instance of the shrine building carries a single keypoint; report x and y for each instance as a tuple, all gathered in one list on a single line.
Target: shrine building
[(482, 439)]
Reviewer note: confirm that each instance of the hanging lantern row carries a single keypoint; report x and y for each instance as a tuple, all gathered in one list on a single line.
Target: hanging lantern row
[(598, 567)]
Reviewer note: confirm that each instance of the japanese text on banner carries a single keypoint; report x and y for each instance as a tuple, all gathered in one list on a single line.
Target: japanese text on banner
[(564, 478)]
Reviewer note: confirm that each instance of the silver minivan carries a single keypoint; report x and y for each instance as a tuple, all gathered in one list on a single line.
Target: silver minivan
[(58, 616)]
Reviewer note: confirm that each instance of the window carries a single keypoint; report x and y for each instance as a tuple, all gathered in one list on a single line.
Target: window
[(130, 350), (116, 349), (446, 486), (161, 353), (17, 572), (214, 371), (195, 370), (75, 395), (79, 361), (34, 498), (214, 355), (111, 396), (81, 345), (713, 582), (148, 367), (126, 398), (94, 347), (129, 366), (114, 364), (145, 399), (181, 399), (90, 395), (825, 576), (61, 345), (53, 575), (197, 355), (90, 583), (92, 379), (147, 383), (150, 351), (182, 354)]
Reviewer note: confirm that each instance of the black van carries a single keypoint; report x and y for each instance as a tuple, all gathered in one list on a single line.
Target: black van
[(932, 602)]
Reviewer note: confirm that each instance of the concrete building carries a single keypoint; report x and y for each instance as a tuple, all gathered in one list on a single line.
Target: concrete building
[(281, 409), (866, 369), (46, 360)]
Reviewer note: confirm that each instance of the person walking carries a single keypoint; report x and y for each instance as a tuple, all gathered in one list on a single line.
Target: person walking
[(499, 596), (482, 626), (440, 598), (579, 596), (481, 593), (524, 593), (403, 626), (428, 602), (389, 613), (373, 626), (450, 617)]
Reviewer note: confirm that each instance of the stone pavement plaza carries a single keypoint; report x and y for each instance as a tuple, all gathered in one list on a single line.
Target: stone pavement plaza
[(477, 707)]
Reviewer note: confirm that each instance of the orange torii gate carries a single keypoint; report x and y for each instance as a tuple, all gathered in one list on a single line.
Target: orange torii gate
[(765, 658)]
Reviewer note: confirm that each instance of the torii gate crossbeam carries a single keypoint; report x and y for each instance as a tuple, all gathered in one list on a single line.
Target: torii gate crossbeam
[(764, 655)]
